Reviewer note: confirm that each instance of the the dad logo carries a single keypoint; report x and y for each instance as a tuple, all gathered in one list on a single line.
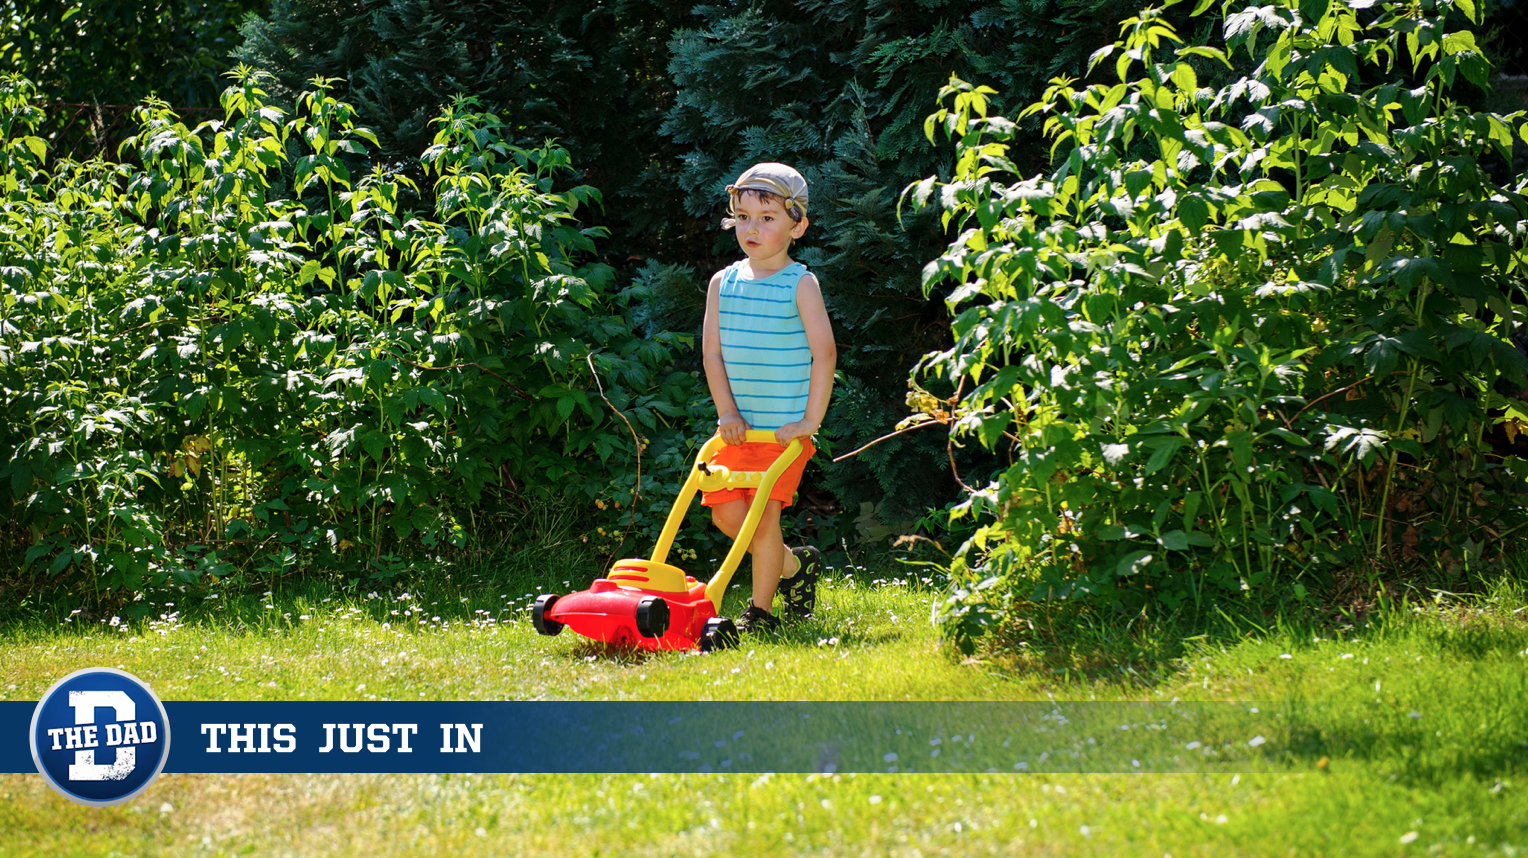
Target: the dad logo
[(100, 736)]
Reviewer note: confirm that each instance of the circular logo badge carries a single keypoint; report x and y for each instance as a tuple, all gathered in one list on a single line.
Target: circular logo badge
[(100, 736)]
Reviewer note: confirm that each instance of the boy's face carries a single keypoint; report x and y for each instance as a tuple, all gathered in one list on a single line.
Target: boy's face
[(764, 230)]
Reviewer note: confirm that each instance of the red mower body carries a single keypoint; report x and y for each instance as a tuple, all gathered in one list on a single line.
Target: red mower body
[(607, 612), (652, 605)]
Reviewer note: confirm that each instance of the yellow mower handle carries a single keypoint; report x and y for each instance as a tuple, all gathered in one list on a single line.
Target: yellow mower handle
[(718, 584)]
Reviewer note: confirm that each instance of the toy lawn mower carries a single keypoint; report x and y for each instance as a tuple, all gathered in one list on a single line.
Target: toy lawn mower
[(653, 605)]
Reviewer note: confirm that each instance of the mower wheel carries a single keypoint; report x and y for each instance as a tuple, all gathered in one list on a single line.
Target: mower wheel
[(539, 618), (720, 633), (652, 617)]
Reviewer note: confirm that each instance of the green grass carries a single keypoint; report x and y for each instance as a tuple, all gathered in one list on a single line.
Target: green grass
[(1405, 735)]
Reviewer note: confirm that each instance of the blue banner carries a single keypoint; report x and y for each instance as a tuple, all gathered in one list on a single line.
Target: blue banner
[(579, 736)]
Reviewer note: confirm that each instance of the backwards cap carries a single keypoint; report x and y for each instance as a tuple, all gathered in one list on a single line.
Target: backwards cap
[(775, 178)]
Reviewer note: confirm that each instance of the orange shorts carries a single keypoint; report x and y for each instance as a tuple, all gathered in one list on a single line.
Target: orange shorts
[(758, 457)]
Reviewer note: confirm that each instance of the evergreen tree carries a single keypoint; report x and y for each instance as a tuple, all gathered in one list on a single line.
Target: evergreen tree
[(839, 89), (590, 74)]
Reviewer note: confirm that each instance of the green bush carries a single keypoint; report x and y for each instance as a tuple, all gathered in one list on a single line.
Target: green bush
[(1243, 339), (206, 373)]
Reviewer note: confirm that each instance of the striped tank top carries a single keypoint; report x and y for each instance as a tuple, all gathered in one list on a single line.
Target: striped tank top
[(769, 365)]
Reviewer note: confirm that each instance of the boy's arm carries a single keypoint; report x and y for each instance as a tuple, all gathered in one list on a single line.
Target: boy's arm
[(819, 337), (730, 424)]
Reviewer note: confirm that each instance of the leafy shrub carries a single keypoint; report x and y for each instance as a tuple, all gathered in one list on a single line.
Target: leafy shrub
[(203, 373), (1245, 338)]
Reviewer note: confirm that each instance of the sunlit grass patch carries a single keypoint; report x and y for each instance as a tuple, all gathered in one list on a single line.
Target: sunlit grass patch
[(640, 814), (1410, 726)]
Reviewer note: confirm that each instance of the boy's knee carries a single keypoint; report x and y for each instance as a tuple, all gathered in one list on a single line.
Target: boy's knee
[(727, 517)]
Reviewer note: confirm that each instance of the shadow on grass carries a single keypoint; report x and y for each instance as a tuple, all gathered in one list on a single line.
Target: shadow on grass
[(1077, 642)]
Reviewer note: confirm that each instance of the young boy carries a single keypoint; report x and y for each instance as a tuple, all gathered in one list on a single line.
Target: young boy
[(769, 357)]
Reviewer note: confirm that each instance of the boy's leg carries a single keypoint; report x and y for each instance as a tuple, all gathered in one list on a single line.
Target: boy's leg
[(768, 556), (768, 546)]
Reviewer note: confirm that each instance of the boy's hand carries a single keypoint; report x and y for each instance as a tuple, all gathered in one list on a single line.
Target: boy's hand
[(732, 428), (791, 431)]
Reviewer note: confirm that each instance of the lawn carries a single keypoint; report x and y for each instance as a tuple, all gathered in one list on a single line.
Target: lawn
[(1404, 735)]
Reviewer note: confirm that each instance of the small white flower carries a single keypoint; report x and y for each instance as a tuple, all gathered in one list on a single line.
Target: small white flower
[(1255, 741), (1286, 655), (890, 757), (1409, 837), (875, 799)]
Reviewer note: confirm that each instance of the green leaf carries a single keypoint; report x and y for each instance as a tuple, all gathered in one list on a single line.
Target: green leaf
[(1133, 563), (61, 562), (1240, 442), (1410, 270), (1174, 540), (992, 427), (1464, 40), (375, 442), (1381, 357), (1162, 455), (1202, 51), (1194, 212), (1417, 343), (1191, 503), (1112, 532), (1184, 77)]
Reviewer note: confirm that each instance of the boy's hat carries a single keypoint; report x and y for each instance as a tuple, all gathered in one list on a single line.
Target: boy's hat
[(775, 178)]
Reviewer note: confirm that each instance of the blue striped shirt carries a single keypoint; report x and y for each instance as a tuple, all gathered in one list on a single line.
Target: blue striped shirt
[(764, 347)]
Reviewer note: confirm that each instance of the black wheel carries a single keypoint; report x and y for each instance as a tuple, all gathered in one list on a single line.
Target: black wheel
[(538, 615), (720, 633), (652, 617)]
